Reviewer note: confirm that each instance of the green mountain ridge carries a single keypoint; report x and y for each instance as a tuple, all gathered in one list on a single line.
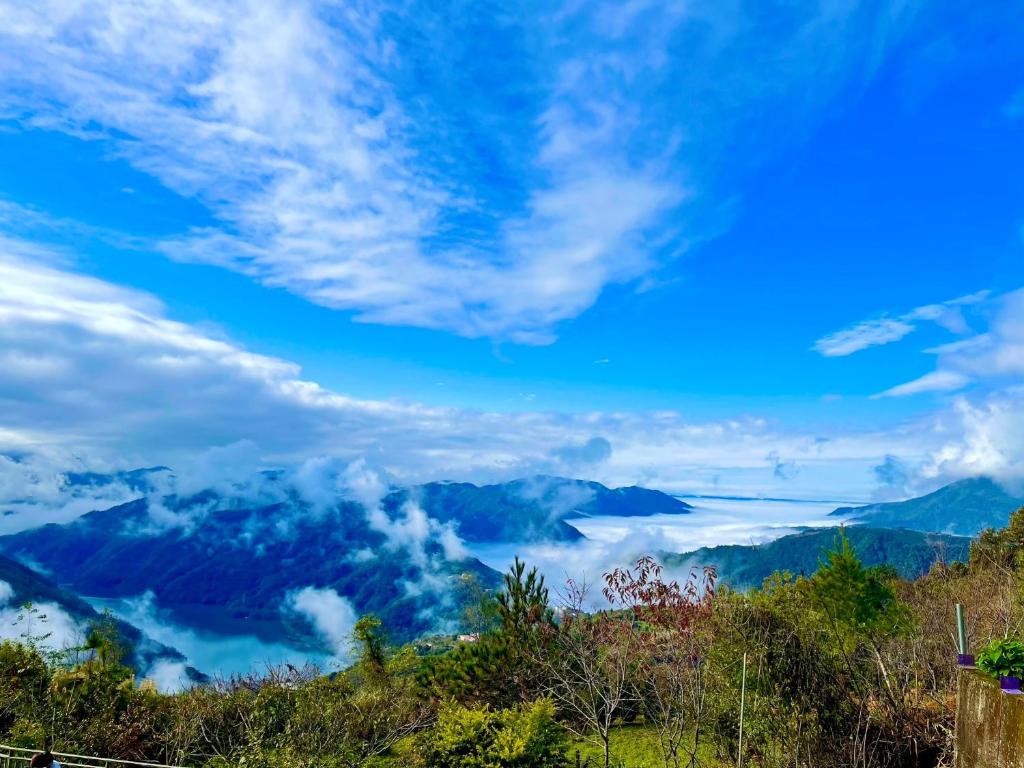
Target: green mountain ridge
[(740, 566), (964, 508)]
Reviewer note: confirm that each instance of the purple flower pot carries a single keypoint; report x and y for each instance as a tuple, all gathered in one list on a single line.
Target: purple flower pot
[(965, 659), (1009, 683)]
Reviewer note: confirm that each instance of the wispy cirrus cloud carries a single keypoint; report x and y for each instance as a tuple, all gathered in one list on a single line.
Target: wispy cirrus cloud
[(886, 330), (349, 156), (935, 381), (993, 359), (283, 118)]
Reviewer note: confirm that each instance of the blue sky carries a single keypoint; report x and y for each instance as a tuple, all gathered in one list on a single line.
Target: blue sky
[(483, 234)]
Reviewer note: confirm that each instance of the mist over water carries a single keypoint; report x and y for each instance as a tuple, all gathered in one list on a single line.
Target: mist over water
[(611, 542), (214, 654)]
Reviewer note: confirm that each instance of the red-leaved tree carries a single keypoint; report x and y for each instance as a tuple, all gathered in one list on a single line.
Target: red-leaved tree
[(670, 621)]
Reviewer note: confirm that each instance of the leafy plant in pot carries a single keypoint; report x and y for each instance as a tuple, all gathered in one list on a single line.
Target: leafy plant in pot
[(1004, 659)]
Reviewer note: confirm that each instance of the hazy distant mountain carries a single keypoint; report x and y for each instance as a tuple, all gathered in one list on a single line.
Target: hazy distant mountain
[(526, 510), (136, 479), (911, 553), (29, 586), (964, 507), (533, 509)]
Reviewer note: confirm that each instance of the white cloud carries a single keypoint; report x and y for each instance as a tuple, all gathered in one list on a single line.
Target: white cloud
[(936, 381), (980, 438), (35, 487), (139, 389), (614, 542), (281, 118), (291, 123), (991, 360), (331, 615), (47, 623), (169, 676), (870, 333), (215, 654), (886, 330)]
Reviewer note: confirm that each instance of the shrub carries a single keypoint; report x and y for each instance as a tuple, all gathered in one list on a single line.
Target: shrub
[(525, 736), (1002, 658)]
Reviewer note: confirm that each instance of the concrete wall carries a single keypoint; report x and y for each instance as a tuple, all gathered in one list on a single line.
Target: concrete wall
[(989, 724)]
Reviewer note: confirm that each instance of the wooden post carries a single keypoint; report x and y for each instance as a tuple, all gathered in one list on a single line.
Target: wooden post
[(743, 696)]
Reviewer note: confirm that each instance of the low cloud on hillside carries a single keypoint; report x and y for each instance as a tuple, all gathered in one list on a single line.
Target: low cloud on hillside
[(47, 624)]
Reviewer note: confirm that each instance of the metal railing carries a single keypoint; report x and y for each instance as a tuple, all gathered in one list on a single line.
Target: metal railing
[(19, 757)]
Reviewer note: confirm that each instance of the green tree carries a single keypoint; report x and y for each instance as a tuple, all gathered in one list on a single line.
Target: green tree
[(499, 668), (861, 600), (523, 603), (480, 606), (372, 642), (104, 642), (860, 605)]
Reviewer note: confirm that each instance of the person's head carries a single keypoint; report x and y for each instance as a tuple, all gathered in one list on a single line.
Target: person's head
[(41, 760)]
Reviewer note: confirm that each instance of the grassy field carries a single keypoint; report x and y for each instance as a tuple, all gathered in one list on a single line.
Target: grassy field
[(634, 746)]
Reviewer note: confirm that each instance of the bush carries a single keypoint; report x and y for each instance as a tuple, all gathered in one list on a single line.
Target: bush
[(1002, 658), (526, 736)]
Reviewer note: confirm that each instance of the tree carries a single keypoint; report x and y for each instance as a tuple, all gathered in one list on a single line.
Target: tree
[(480, 612), (859, 602), (32, 623), (591, 666), (499, 667), (674, 633), (863, 614), (523, 603), (371, 640), (104, 641)]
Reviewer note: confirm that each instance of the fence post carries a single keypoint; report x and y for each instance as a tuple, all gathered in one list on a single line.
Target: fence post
[(960, 633), (743, 696)]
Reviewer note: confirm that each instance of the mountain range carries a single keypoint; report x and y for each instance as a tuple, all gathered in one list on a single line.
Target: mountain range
[(535, 509), (911, 553), (965, 508), (234, 569), (233, 566)]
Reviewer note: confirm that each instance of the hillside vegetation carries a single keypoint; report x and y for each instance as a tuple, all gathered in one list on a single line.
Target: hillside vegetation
[(852, 666), (910, 553)]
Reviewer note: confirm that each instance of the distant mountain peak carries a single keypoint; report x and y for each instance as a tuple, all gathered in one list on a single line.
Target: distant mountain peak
[(963, 507)]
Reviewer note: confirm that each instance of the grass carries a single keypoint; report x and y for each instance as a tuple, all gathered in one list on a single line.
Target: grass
[(634, 746)]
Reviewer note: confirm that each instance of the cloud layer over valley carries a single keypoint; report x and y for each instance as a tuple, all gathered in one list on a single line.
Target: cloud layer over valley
[(96, 377)]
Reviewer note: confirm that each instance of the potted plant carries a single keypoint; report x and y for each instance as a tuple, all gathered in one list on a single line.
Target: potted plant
[(1004, 659)]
